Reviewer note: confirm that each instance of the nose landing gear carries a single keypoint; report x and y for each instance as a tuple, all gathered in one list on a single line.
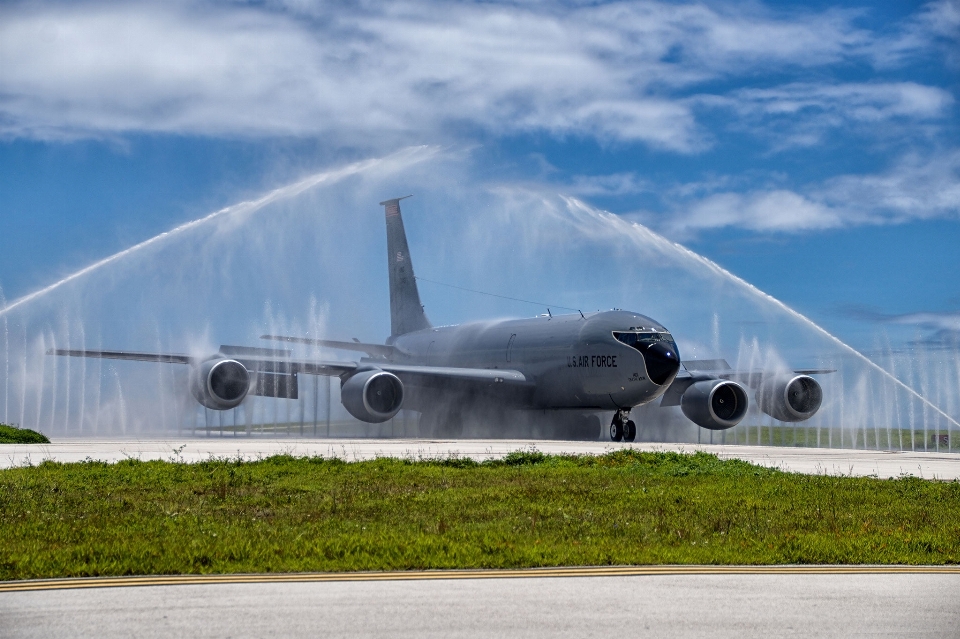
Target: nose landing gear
[(621, 428)]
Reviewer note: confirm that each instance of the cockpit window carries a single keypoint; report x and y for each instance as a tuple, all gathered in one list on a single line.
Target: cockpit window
[(637, 338), (659, 352)]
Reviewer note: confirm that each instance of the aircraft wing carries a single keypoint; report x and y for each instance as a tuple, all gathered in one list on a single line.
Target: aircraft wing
[(169, 358), (258, 360), (413, 375), (446, 376), (271, 361)]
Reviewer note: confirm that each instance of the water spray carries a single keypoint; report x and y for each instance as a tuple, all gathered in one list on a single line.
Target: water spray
[(664, 243), (405, 157)]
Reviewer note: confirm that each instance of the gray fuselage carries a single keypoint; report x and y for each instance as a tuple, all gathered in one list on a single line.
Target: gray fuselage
[(570, 361)]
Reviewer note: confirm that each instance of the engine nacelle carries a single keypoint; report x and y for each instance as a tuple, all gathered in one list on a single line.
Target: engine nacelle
[(790, 398), (220, 384), (372, 396), (716, 404)]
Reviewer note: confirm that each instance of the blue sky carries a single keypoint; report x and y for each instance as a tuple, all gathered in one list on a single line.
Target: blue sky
[(812, 149)]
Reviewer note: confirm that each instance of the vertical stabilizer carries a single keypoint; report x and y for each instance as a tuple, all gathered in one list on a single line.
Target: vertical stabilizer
[(406, 312)]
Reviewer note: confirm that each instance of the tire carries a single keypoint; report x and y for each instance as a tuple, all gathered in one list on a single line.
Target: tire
[(616, 431), (629, 431)]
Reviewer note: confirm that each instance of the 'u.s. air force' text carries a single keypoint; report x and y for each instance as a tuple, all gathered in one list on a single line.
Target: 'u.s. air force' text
[(592, 361)]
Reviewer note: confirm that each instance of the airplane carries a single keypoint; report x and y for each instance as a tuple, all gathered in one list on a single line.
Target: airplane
[(565, 367)]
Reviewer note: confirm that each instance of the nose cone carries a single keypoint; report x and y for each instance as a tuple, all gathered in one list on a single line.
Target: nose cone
[(662, 362)]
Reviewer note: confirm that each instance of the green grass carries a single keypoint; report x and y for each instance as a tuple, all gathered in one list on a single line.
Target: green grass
[(14, 435), (288, 514)]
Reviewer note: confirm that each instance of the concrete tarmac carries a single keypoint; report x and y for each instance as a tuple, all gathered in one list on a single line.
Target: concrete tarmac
[(681, 605), (825, 461)]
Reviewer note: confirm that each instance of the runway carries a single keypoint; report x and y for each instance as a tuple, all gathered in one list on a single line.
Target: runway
[(670, 601), (826, 461)]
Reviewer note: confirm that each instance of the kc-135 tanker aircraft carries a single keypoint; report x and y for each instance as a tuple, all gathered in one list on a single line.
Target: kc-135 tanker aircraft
[(565, 368)]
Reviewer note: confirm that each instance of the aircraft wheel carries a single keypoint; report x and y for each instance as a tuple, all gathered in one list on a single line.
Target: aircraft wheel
[(629, 431), (616, 431)]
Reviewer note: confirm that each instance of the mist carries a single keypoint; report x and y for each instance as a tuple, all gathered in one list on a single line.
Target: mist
[(309, 260)]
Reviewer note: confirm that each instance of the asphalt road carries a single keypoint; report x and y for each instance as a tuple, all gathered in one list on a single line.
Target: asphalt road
[(681, 605), (830, 461)]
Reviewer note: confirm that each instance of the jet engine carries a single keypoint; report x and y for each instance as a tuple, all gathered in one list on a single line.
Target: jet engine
[(372, 396), (789, 398), (220, 384), (716, 404)]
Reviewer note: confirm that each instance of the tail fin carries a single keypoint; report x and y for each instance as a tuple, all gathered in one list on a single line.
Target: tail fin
[(406, 312)]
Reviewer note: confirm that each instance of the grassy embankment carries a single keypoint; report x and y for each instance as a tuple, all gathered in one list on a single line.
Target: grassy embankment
[(288, 514), (14, 435)]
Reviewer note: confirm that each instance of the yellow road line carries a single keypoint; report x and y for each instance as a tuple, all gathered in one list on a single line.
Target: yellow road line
[(586, 571)]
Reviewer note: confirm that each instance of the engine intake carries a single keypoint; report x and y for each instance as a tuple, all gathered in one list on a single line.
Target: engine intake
[(790, 398), (372, 396), (220, 384), (716, 404)]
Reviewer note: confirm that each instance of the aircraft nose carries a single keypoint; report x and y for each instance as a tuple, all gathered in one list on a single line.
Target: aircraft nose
[(662, 361)]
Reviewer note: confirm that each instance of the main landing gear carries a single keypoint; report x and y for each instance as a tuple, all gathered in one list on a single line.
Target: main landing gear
[(621, 428)]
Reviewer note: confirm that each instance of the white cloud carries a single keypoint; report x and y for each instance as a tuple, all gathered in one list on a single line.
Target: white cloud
[(914, 189), (392, 72), (766, 211), (942, 18), (860, 102), (941, 321), (608, 185), (934, 30), (802, 114)]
